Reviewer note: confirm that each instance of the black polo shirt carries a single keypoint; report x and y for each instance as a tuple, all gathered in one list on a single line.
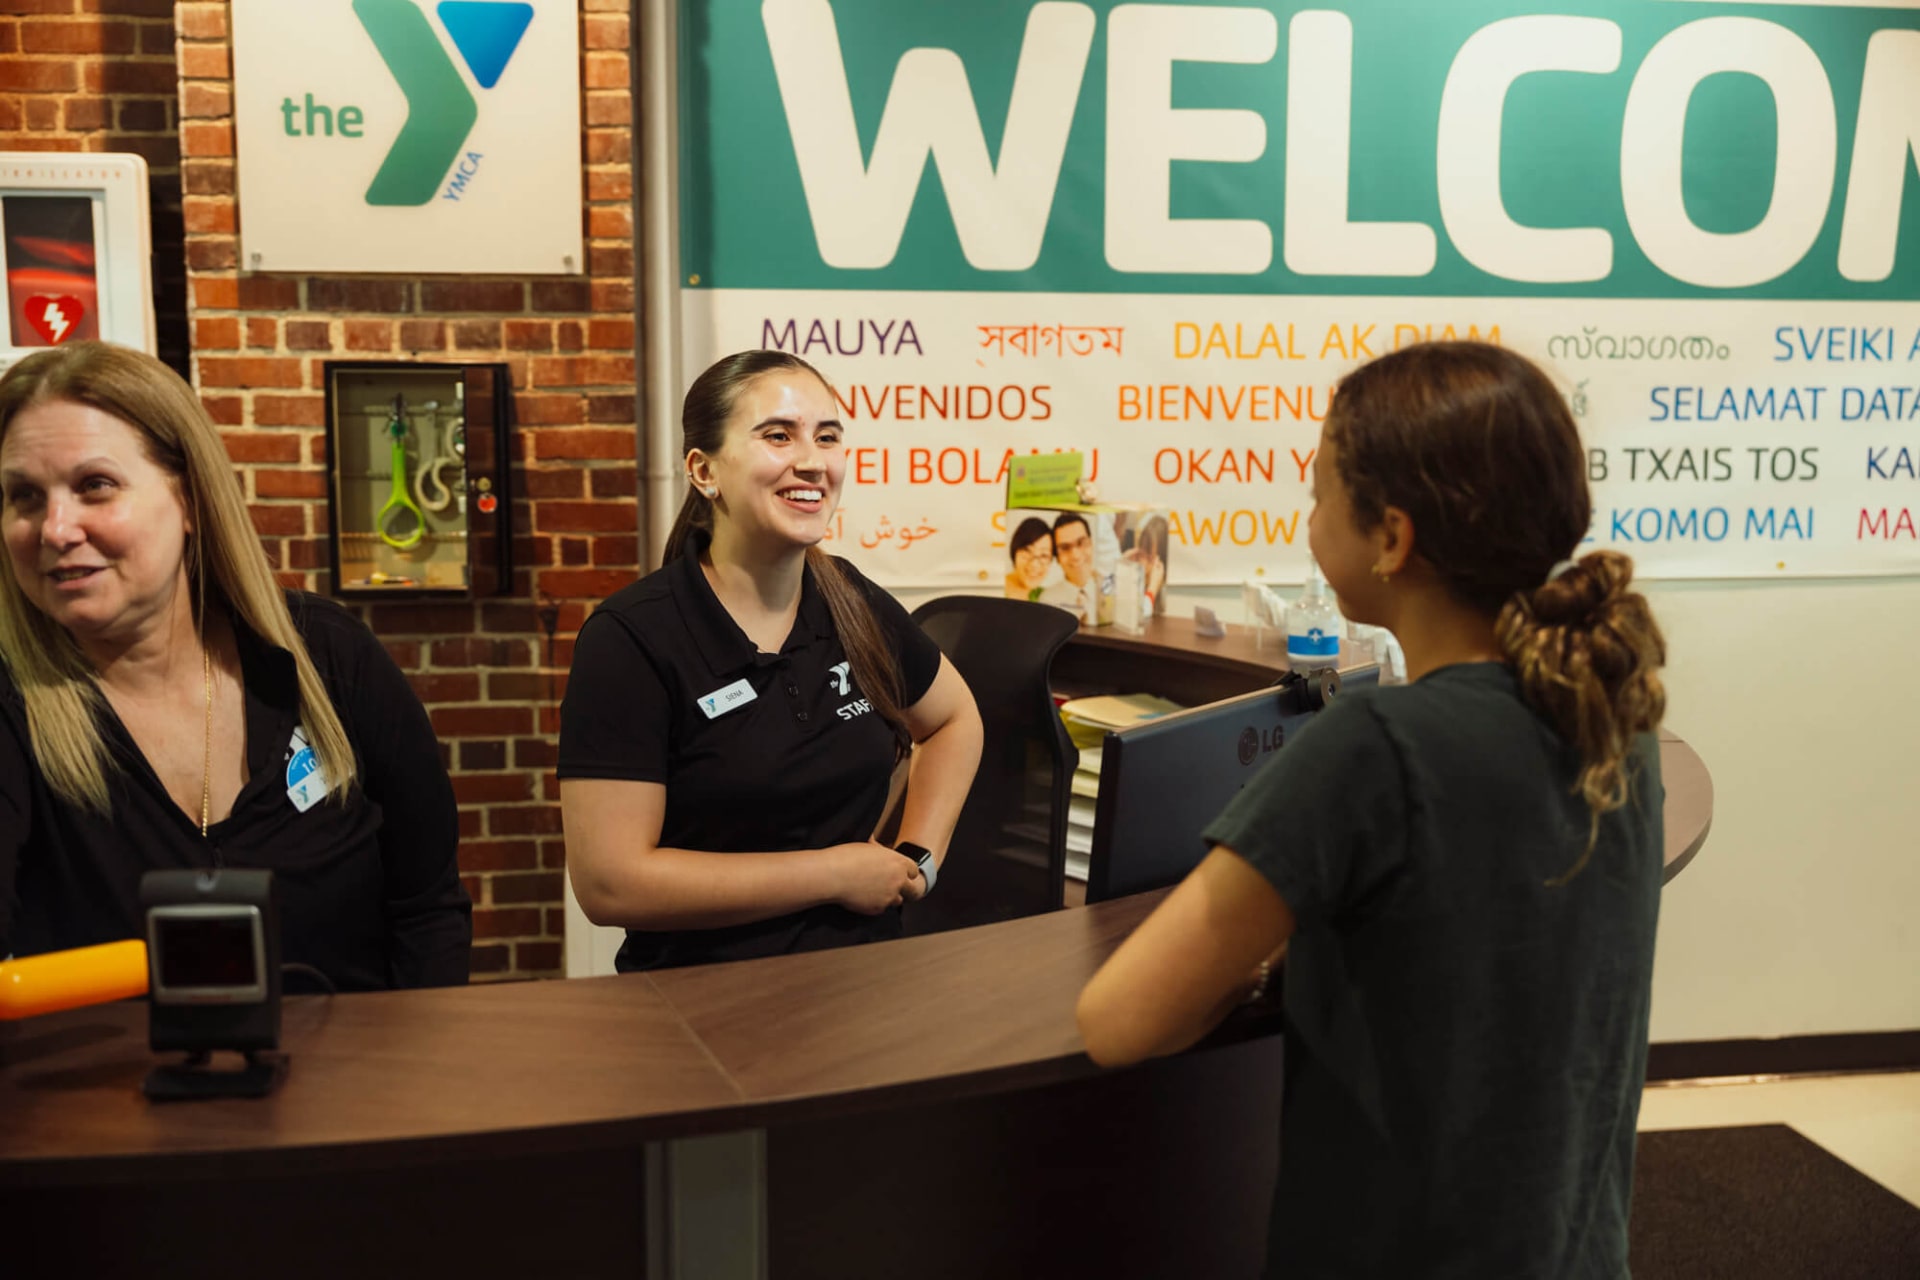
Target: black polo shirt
[(759, 752), (369, 886)]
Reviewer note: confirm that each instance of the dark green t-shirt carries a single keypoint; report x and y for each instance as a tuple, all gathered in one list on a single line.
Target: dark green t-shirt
[(1466, 1044)]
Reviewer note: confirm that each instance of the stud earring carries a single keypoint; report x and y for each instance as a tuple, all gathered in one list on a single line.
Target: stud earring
[(711, 493), (1386, 579)]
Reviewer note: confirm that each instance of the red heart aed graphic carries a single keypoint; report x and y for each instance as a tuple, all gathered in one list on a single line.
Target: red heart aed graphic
[(54, 318)]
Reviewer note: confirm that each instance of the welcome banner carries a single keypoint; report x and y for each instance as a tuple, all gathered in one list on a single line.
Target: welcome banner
[(1159, 234)]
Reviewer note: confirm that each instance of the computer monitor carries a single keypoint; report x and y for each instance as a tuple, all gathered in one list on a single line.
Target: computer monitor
[(75, 251), (1163, 781)]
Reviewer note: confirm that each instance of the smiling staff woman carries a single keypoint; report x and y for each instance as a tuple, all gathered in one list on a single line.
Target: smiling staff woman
[(733, 720), (162, 700)]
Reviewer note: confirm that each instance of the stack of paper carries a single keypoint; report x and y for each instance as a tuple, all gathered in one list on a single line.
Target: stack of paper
[(1088, 720)]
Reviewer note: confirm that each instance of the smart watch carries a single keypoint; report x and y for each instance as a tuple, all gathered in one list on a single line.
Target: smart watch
[(923, 858)]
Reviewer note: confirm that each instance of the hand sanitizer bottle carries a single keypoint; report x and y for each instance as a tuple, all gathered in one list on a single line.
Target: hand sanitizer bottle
[(1313, 625)]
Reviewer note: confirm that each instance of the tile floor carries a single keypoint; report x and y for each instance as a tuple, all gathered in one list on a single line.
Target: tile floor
[(1870, 1121)]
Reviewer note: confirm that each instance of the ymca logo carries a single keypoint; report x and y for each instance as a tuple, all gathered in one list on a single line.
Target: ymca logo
[(837, 677), (440, 110)]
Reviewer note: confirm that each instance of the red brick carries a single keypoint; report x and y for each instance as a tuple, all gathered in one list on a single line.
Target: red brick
[(202, 21), (446, 686), (216, 294), (263, 332), (560, 295), (484, 722), (423, 335), (121, 77), (586, 442), (200, 100), (290, 411), (158, 38), (584, 517), (249, 371), (39, 6), (616, 482), (212, 254), (225, 411), (483, 962), (472, 821), (570, 336), (608, 108), (268, 293), (309, 335), (209, 177), (499, 855), (613, 296), (289, 484), (553, 853), (204, 62), (421, 619), (83, 115), (473, 295), (548, 410), (317, 451), (279, 521), (575, 552), (592, 584), (583, 371), (612, 223), (505, 922), (129, 8), (405, 653), (51, 35), (528, 335), (11, 115), (483, 652), (541, 887), (369, 335), (492, 788), (610, 146), (526, 686), (43, 114), (610, 259), (610, 335), (535, 753), (551, 483), (606, 71), (145, 115), (336, 294), (219, 333), (476, 335), (618, 551), (528, 820), (608, 32), (475, 755), (39, 75), (306, 553), (537, 958), (610, 184), (255, 446), (201, 138)]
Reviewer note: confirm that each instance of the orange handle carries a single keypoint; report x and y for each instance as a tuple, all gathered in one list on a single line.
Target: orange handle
[(69, 979)]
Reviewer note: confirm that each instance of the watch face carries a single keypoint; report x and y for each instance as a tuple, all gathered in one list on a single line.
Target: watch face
[(918, 853)]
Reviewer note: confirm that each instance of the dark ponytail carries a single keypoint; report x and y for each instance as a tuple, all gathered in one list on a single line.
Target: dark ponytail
[(1476, 445), (703, 423)]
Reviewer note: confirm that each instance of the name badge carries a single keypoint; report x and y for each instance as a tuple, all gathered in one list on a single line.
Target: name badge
[(306, 782), (721, 701)]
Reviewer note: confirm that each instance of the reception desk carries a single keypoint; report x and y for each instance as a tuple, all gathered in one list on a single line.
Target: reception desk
[(919, 1107)]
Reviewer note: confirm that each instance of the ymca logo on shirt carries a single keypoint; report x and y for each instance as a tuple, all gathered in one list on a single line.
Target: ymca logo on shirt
[(837, 676)]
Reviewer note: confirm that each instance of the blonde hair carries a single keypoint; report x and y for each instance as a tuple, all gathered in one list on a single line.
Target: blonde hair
[(224, 556)]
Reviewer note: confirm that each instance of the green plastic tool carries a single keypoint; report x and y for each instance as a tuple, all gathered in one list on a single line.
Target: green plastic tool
[(400, 502)]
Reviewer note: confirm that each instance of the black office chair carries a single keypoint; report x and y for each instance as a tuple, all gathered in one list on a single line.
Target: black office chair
[(1008, 854)]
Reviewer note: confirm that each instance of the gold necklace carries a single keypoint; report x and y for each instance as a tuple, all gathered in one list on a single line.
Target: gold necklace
[(206, 762)]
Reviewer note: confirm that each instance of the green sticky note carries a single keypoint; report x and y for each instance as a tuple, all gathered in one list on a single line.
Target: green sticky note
[(1044, 480)]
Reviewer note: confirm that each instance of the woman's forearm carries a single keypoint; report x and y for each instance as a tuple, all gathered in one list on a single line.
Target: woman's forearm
[(938, 778), (665, 888)]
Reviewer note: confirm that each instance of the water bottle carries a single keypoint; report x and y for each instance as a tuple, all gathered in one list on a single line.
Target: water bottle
[(1313, 625)]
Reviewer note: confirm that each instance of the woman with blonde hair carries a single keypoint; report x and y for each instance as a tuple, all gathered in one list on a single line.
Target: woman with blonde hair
[(1465, 870), (165, 704)]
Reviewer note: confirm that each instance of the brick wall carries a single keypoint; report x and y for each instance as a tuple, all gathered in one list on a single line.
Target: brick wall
[(154, 77), (99, 75)]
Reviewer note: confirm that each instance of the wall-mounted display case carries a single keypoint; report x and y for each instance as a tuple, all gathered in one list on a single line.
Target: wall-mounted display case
[(417, 476)]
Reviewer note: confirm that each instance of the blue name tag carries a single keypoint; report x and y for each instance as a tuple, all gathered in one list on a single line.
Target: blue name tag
[(306, 784)]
